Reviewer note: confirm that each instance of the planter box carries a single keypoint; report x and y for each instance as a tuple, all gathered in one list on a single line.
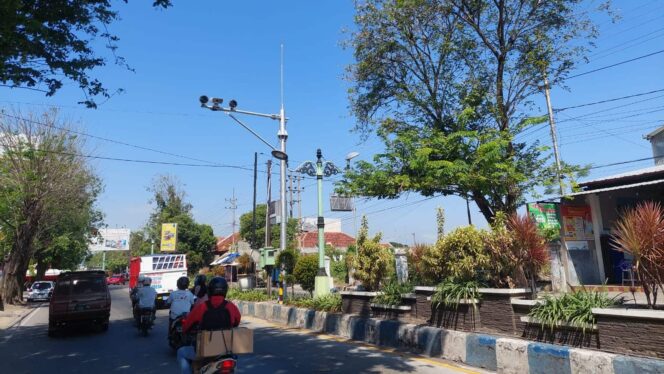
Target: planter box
[(464, 316), (631, 331), (247, 282), (521, 308), (496, 313), (391, 312), (563, 333), (357, 302), (422, 306)]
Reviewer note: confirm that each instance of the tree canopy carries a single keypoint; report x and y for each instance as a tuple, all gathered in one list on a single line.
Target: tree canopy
[(47, 196), (196, 240), (42, 43), (246, 231), (446, 86)]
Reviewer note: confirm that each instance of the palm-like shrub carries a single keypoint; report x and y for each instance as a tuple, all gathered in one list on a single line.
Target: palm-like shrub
[(640, 232), (305, 272), (528, 247)]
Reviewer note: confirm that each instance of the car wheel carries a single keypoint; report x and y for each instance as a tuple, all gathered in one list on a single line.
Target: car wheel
[(52, 330)]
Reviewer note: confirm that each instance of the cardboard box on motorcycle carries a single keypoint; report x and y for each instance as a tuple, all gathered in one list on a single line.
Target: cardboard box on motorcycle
[(214, 343)]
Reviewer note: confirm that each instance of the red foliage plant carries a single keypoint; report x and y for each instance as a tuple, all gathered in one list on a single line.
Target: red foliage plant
[(528, 246), (640, 232)]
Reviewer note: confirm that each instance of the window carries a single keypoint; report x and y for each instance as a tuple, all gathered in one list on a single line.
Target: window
[(168, 262), (87, 285)]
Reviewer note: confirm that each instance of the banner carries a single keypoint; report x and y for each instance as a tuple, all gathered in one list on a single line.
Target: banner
[(169, 237), (545, 214), (110, 240), (577, 223)]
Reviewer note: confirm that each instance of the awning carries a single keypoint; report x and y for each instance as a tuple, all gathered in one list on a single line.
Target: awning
[(225, 259)]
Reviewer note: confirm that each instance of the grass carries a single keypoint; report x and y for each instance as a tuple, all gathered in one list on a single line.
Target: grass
[(391, 293), (327, 303), (451, 293), (572, 308)]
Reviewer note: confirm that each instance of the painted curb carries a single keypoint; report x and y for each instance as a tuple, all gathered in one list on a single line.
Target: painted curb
[(481, 351), (512, 356)]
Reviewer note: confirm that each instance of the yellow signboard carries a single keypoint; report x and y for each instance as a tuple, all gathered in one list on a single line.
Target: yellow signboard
[(169, 237)]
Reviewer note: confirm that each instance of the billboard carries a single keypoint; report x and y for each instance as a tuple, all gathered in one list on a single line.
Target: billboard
[(169, 237), (110, 240)]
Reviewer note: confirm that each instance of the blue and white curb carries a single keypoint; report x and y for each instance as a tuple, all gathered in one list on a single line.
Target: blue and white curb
[(505, 355)]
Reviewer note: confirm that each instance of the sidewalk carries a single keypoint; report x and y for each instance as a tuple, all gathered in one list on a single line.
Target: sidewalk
[(13, 314)]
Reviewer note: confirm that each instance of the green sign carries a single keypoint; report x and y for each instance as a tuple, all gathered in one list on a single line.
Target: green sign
[(545, 214)]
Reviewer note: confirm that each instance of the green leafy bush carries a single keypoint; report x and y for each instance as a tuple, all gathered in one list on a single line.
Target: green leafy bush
[(460, 255), (248, 295), (451, 292), (391, 293), (327, 303), (572, 308), (339, 270), (373, 262), (288, 258), (305, 272)]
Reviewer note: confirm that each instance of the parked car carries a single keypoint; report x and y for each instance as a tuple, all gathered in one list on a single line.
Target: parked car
[(116, 279), (79, 297), (41, 290)]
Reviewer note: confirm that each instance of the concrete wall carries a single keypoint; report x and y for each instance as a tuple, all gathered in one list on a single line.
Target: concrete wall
[(505, 355)]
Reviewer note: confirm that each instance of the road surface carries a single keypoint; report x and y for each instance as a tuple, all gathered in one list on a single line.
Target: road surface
[(27, 349)]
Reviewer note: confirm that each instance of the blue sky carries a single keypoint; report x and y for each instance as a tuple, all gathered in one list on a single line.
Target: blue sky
[(231, 50)]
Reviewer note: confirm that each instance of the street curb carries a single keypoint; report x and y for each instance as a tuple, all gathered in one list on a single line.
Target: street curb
[(506, 355)]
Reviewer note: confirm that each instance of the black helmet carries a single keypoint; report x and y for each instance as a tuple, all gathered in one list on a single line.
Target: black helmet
[(218, 287), (200, 280), (183, 283)]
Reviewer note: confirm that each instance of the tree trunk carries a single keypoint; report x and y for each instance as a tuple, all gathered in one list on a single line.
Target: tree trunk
[(19, 260), (42, 266)]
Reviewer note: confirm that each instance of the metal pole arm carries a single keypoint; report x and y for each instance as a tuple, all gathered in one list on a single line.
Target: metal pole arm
[(252, 131)]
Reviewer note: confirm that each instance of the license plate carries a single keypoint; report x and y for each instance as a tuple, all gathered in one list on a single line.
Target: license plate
[(159, 297)]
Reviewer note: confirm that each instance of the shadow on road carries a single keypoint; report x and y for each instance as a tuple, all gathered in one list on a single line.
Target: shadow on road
[(279, 351)]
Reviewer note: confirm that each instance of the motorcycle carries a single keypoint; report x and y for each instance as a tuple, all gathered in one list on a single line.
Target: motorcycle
[(144, 321), (224, 364), (176, 338)]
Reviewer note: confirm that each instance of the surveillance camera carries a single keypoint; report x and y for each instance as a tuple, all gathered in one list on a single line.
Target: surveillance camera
[(203, 99), (232, 104), (217, 101)]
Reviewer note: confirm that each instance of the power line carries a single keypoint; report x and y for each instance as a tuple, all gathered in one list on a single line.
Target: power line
[(625, 162), (616, 64), (609, 100), (394, 207), (107, 139)]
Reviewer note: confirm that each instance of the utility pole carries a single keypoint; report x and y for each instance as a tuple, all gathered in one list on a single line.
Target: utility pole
[(268, 237), (290, 200), (232, 206), (299, 200), (554, 137), (253, 214)]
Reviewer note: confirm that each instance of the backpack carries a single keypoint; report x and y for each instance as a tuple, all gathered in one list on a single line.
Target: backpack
[(216, 318)]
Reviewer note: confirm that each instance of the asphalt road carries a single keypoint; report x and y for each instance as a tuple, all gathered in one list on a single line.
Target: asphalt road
[(27, 349)]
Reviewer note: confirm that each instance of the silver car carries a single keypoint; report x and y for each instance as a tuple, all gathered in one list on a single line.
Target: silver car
[(41, 290)]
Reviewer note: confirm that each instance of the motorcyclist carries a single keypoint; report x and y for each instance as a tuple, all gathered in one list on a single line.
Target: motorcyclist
[(214, 314), (180, 301), (146, 297), (200, 289), (132, 295)]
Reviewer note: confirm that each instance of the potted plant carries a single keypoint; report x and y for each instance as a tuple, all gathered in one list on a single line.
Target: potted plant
[(246, 278)]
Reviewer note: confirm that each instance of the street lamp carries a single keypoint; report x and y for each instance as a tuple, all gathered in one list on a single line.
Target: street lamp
[(320, 169), (279, 154)]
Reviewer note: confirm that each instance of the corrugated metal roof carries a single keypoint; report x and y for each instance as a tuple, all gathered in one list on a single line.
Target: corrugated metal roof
[(654, 133), (635, 173), (626, 186)]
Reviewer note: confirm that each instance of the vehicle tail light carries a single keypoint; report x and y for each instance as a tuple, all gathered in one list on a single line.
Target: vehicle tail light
[(227, 366)]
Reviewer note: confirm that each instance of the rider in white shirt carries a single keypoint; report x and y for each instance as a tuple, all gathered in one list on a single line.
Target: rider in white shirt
[(181, 300)]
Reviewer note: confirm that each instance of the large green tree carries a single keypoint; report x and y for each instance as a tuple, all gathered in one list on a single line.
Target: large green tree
[(194, 239), (446, 86), (47, 194), (247, 233), (44, 43)]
